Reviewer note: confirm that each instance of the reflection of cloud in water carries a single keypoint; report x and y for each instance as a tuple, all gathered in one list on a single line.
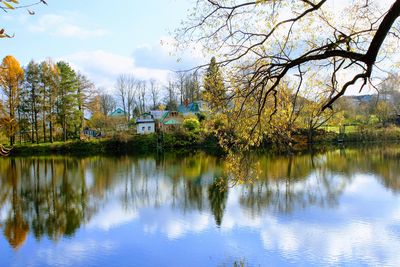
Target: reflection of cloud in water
[(71, 253), (113, 215), (172, 223), (4, 211), (330, 242), (369, 243), (177, 228)]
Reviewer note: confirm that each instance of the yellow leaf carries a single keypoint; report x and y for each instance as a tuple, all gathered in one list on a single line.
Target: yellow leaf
[(8, 5)]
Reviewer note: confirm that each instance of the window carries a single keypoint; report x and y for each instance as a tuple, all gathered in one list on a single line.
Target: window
[(149, 128), (143, 128)]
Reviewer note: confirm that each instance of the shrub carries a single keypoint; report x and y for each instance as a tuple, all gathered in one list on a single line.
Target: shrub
[(191, 124)]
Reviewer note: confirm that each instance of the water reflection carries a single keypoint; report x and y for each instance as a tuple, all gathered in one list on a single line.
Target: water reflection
[(55, 197)]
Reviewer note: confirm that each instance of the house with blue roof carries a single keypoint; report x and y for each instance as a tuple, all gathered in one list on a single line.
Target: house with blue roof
[(119, 112), (193, 108), (171, 121)]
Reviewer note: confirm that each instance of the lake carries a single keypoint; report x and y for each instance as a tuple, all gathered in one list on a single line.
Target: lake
[(338, 207)]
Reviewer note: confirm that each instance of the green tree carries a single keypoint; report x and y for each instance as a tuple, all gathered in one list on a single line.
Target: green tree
[(268, 43), (50, 80), (191, 124), (32, 88), (67, 100), (214, 88), (84, 95), (384, 112)]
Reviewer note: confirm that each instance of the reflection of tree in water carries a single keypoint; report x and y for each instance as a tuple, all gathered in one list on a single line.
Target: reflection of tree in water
[(16, 228), (47, 194), (54, 196), (288, 183), (381, 161), (217, 196)]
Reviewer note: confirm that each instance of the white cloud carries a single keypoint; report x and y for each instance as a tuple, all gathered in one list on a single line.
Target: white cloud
[(64, 26), (165, 55), (104, 67)]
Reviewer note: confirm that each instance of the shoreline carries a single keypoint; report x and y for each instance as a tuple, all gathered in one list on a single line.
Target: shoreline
[(149, 144)]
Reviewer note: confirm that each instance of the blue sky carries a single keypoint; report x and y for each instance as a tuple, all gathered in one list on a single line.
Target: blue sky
[(101, 38)]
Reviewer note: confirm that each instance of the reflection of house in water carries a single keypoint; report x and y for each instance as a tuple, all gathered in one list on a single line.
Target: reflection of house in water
[(145, 124)]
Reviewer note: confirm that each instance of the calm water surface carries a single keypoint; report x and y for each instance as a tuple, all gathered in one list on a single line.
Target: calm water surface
[(341, 207)]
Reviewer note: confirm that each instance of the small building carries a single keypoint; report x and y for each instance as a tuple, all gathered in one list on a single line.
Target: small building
[(119, 112), (118, 118), (171, 121), (193, 108), (145, 124), (91, 133)]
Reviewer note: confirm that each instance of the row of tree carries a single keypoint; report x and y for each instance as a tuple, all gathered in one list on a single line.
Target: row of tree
[(48, 101), (43, 95)]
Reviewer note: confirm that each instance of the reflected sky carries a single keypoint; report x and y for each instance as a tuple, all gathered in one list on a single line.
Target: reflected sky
[(340, 207)]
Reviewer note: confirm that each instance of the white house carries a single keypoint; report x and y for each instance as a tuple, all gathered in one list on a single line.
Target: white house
[(145, 124)]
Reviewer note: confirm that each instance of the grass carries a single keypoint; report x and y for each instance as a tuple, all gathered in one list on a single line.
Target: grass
[(336, 129), (124, 143)]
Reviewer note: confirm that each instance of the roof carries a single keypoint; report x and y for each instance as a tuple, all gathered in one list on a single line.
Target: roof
[(144, 121), (118, 112), (172, 122), (145, 118), (190, 108), (158, 114)]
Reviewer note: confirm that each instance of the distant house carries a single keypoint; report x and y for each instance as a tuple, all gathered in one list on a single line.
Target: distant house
[(357, 100), (119, 112), (145, 124), (91, 132), (171, 121), (193, 108), (118, 117), (158, 114)]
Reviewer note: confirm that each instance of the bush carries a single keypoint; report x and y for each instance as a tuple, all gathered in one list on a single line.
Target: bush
[(191, 124)]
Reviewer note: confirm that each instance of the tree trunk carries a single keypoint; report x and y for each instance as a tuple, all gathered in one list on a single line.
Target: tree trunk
[(36, 127), (64, 126), (44, 127), (51, 130)]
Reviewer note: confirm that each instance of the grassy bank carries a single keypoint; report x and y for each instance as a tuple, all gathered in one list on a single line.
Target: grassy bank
[(141, 144), (120, 144)]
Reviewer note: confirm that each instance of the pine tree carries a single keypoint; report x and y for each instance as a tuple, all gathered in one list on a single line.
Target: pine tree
[(32, 86), (67, 99), (50, 79), (84, 97), (214, 87)]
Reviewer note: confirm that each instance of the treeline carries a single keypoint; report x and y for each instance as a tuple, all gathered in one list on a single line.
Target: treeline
[(47, 101)]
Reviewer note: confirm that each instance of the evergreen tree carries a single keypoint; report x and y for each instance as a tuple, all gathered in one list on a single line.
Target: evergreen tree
[(215, 92), (67, 99), (32, 88), (84, 99), (50, 79)]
